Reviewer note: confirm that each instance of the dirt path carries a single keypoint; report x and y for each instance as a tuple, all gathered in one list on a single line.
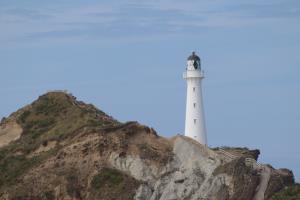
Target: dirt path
[(264, 180)]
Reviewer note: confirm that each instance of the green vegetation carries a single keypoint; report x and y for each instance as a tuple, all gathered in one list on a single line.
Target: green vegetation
[(54, 116), (13, 165), (24, 115), (112, 184), (107, 176), (289, 193), (49, 195)]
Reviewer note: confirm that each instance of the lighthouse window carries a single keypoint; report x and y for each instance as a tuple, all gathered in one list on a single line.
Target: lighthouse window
[(194, 105), (195, 120), (194, 89)]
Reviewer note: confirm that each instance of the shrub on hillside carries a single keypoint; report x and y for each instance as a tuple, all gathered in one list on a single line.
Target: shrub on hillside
[(289, 193), (107, 176)]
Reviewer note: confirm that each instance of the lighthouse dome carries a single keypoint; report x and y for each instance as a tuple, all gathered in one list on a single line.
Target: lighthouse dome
[(194, 57), (193, 62)]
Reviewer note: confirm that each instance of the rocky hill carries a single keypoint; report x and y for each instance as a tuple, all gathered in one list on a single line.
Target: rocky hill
[(61, 148)]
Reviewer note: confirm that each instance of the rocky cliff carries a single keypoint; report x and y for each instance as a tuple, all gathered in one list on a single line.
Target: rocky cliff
[(61, 148)]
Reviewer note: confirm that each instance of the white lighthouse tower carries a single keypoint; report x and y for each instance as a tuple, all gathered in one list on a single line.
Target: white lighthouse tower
[(194, 120)]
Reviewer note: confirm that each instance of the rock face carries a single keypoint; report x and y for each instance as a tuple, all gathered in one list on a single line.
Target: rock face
[(9, 131), (70, 150)]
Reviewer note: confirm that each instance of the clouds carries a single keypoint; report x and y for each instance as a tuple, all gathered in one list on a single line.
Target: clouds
[(276, 9), (111, 20)]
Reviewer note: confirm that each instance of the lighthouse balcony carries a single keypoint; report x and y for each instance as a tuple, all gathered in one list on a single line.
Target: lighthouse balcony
[(193, 74)]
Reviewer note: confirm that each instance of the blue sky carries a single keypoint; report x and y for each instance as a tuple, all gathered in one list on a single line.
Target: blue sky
[(127, 58)]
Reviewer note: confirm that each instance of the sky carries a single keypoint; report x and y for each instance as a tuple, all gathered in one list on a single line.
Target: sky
[(127, 58)]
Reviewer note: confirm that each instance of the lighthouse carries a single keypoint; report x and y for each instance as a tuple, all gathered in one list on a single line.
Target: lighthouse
[(194, 119)]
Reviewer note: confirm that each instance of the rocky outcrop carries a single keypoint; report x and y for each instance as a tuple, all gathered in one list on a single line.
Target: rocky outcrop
[(9, 132), (197, 172), (279, 179), (71, 150)]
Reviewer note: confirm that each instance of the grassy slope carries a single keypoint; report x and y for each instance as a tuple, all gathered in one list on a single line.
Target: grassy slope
[(54, 116), (289, 193)]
